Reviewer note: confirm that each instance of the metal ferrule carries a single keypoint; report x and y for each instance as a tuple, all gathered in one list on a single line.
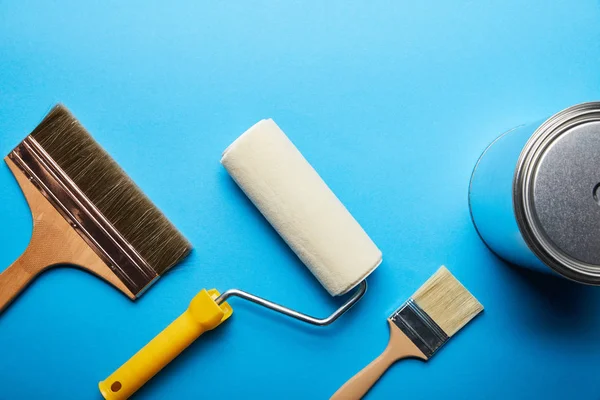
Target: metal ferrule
[(83, 216), (419, 327)]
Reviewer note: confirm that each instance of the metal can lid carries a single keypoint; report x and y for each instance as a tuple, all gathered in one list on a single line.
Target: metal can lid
[(557, 192)]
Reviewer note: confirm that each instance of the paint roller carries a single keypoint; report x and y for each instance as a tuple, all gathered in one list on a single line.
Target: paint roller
[(309, 217)]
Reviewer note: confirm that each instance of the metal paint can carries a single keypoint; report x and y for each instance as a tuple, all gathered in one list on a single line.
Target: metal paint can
[(534, 195)]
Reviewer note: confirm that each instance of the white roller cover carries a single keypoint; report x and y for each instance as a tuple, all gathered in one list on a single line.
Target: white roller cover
[(301, 207)]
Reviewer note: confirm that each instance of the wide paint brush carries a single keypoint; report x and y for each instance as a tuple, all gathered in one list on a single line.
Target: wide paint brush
[(86, 212)]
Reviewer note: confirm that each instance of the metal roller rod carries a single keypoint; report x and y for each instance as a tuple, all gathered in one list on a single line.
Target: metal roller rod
[(360, 291)]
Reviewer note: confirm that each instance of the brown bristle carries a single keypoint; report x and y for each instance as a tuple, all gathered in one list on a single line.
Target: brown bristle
[(447, 301), (111, 191)]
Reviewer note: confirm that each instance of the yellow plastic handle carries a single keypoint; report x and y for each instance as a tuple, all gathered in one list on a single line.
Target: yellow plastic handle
[(202, 315)]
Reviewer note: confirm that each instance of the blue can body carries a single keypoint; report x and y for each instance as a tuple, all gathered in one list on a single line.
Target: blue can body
[(491, 198)]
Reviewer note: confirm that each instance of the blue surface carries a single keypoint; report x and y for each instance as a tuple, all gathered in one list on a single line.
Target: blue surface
[(392, 102)]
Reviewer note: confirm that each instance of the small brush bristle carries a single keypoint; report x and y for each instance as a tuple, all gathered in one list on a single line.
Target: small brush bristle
[(113, 193), (447, 301)]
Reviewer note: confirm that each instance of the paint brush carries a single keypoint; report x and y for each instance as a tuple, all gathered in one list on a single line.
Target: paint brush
[(423, 324), (86, 212)]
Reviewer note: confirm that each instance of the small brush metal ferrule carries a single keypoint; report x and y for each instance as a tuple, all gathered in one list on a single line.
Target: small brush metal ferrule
[(83, 216), (419, 327)]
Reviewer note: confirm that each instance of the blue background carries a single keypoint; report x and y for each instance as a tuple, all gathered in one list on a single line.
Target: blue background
[(391, 101)]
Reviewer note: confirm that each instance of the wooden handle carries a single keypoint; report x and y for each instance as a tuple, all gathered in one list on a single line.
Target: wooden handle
[(53, 242), (399, 347), (12, 281), (360, 383)]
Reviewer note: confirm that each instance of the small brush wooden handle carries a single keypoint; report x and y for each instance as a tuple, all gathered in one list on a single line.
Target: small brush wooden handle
[(202, 315), (399, 347), (360, 383)]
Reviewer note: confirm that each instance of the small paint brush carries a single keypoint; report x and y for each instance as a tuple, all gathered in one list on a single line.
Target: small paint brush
[(423, 324)]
